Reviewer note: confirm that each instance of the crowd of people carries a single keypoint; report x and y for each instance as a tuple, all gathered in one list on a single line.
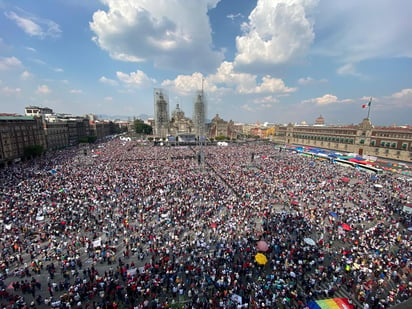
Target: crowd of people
[(124, 225)]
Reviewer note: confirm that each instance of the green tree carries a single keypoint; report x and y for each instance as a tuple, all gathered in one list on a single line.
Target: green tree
[(221, 138), (87, 139), (142, 128), (33, 151)]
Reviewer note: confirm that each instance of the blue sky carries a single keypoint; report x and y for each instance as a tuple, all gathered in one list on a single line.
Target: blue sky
[(275, 61)]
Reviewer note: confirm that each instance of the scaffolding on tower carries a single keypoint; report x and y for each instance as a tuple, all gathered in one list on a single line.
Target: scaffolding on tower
[(199, 117), (161, 111)]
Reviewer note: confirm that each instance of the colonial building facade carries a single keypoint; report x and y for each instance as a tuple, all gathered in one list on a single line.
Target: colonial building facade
[(179, 123), (220, 127), (363, 139), (16, 134), (41, 127)]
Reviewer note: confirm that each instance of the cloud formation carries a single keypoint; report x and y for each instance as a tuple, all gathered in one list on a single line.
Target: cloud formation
[(43, 89), (10, 91), (35, 26), (305, 81), (226, 80), (246, 83), (402, 94), (266, 100), (278, 31), (172, 34), (354, 31), (349, 69), (26, 75), (326, 100), (108, 81), (135, 79), (188, 84), (7, 63)]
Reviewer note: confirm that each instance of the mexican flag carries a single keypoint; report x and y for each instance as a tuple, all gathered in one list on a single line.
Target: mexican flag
[(367, 105)]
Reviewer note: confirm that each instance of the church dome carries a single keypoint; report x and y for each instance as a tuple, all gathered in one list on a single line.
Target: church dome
[(320, 120)]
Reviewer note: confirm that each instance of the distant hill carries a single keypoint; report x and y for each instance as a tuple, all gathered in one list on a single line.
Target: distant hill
[(123, 117)]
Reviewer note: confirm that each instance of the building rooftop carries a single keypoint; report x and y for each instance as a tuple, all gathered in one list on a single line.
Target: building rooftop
[(15, 117)]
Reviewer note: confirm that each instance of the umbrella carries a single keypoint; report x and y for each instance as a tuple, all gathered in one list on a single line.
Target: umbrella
[(345, 179), (330, 303), (261, 259), (309, 241), (295, 203), (213, 225), (262, 246), (346, 227), (333, 214)]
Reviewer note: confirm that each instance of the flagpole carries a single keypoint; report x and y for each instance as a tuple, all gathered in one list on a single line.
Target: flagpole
[(369, 107)]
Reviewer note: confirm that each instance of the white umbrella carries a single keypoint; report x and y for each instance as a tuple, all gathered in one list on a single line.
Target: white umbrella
[(309, 241)]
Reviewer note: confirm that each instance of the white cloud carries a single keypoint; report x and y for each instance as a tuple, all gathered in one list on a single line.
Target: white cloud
[(327, 99), (278, 31), (265, 106), (26, 75), (349, 69), (108, 99), (273, 85), (397, 100), (35, 26), (10, 91), (266, 100), (39, 61), (403, 94), (234, 16), (76, 91), (246, 107), (7, 63), (353, 30), (245, 83), (31, 49), (108, 81), (188, 84), (58, 70), (172, 34), (305, 81), (225, 80), (43, 89), (138, 79), (227, 77)]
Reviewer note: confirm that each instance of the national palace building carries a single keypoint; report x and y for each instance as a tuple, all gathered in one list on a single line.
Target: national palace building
[(363, 139)]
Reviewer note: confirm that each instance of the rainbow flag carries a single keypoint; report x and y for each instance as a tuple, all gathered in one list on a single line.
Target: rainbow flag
[(331, 303)]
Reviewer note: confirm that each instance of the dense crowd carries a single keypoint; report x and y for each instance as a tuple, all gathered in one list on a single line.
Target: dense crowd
[(121, 225)]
